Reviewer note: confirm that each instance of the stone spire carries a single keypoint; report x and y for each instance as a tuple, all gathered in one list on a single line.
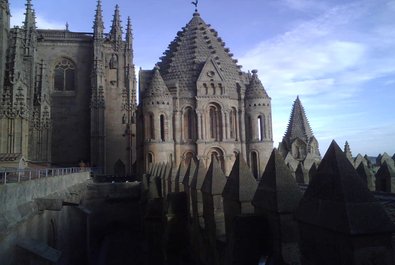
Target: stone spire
[(298, 126), (116, 29), (30, 29), (255, 89), (98, 24), (347, 151), (30, 18), (337, 199), (129, 35)]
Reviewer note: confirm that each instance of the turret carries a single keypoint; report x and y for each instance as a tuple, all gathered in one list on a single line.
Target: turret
[(259, 137), (158, 110)]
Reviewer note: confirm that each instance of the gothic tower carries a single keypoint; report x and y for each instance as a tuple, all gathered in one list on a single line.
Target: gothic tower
[(207, 103), (258, 120), (113, 97), (299, 144)]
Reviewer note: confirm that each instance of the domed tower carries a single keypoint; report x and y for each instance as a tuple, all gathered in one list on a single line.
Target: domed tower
[(207, 89), (259, 134), (157, 119)]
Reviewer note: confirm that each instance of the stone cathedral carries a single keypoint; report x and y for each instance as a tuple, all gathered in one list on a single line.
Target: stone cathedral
[(67, 97), (197, 102)]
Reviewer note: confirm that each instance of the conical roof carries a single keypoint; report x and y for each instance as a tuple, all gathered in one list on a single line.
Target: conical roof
[(157, 87), (215, 179), (188, 52), (255, 89), (298, 126), (277, 191), (337, 199), (241, 184)]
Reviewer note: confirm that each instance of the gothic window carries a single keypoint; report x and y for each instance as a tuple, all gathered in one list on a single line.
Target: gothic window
[(233, 123), (215, 119), (162, 128), (254, 164), (189, 124), (64, 78)]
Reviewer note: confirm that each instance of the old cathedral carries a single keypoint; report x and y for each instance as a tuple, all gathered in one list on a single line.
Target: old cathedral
[(69, 96)]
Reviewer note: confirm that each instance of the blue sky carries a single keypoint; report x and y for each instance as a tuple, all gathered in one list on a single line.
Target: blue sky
[(338, 56)]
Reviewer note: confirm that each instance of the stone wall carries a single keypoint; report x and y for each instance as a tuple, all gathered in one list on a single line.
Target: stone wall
[(37, 217)]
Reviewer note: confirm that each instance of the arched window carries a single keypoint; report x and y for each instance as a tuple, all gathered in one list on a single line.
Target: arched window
[(254, 164), (150, 160), (233, 123), (150, 127), (215, 118), (189, 124), (218, 154), (162, 128), (261, 128), (64, 78)]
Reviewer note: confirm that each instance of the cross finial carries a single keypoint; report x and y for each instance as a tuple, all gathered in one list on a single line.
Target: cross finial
[(195, 3)]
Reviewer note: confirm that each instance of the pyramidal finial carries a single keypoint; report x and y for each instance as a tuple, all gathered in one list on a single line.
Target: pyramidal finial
[(98, 24), (277, 191), (116, 29), (241, 184), (337, 199), (30, 19), (215, 179), (129, 34)]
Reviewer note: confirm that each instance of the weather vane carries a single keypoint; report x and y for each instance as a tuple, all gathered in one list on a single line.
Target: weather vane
[(195, 3)]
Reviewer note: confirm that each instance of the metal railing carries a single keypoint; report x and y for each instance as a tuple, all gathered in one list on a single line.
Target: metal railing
[(19, 175)]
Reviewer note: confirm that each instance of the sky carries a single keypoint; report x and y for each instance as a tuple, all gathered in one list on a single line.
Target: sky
[(337, 55)]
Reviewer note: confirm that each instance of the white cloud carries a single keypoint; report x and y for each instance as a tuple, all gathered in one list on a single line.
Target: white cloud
[(327, 60), (18, 18)]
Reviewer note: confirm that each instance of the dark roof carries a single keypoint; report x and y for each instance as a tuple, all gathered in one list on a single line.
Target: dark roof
[(190, 172), (337, 199), (190, 50), (298, 126), (241, 184), (277, 191), (215, 179), (198, 176), (385, 171)]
